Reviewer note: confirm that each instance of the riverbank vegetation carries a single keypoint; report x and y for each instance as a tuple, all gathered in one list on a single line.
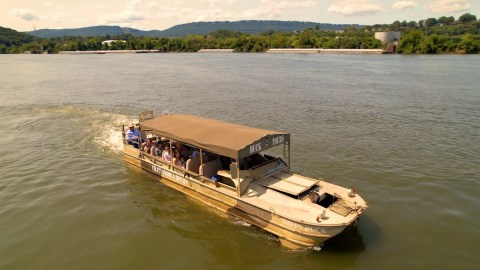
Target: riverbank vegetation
[(431, 36)]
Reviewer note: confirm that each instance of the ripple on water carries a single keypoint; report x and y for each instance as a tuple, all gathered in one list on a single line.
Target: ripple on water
[(403, 131)]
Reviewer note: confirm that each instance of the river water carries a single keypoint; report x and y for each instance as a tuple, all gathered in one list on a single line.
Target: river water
[(404, 131)]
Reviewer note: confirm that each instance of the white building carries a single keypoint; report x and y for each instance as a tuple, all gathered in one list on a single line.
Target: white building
[(110, 41)]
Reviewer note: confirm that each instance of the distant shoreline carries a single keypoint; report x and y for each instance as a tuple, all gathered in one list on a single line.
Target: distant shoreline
[(290, 51), (330, 51), (109, 52)]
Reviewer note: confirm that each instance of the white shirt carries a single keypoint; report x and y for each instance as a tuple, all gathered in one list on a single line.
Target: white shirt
[(132, 134), (166, 156)]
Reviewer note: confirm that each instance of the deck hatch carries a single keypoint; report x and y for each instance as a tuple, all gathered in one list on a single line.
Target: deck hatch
[(342, 208), (287, 183)]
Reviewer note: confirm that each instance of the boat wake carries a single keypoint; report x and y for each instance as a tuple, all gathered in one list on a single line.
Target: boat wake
[(94, 127), (241, 222), (109, 138)]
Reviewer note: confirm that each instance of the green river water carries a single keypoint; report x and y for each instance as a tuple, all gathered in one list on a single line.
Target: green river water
[(404, 131)]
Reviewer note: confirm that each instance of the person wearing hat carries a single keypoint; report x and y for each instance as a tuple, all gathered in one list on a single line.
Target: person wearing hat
[(132, 136)]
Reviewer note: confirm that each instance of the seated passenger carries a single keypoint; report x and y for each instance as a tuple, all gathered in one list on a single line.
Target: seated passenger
[(132, 136), (195, 153), (147, 146), (157, 149), (182, 149), (166, 154), (178, 159)]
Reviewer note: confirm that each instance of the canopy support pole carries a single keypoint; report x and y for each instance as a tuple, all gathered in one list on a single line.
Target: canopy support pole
[(171, 153), (201, 160), (287, 144), (238, 177)]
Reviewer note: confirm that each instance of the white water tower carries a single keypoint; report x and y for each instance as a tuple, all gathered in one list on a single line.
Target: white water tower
[(387, 37), (390, 39)]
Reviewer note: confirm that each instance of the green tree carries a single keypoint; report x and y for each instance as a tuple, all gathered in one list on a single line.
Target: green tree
[(412, 24), (193, 43), (467, 17), (279, 40), (430, 22), (305, 40), (469, 44), (162, 44), (175, 45), (428, 45), (446, 20), (395, 25), (410, 42)]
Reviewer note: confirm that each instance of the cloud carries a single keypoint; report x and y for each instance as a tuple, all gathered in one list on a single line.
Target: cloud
[(443, 6), (265, 9), (134, 4), (96, 6), (271, 9), (123, 17), (152, 4), (57, 17), (53, 5), (23, 13), (213, 3), (131, 14), (185, 14), (401, 5), (175, 11), (355, 7)]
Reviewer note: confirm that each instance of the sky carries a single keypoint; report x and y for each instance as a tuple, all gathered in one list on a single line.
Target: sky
[(27, 15)]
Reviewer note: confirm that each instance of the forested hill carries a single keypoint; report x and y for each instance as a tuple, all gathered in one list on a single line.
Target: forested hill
[(431, 36), (92, 31), (10, 37), (250, 27), (200, 28)]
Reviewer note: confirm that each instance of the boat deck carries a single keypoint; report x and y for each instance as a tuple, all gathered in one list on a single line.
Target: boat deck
[(288, 183), (263, 193)]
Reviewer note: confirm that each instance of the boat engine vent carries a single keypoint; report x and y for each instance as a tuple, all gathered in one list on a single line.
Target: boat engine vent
[(340, 207)]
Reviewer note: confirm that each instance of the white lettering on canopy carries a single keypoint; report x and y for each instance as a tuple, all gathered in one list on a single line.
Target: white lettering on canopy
[(278, 140), (255, 148)]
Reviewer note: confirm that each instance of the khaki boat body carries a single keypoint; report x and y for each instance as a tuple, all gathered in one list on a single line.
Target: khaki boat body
[(302, 212)]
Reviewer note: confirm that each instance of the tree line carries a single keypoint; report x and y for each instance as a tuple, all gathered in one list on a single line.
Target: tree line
[(430, 36)]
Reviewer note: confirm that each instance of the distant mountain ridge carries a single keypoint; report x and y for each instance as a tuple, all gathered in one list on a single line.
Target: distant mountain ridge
[(198, 28), (101, 30), (10, 37)]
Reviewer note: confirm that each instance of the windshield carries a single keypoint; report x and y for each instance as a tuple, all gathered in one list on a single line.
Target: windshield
[(264, 165)]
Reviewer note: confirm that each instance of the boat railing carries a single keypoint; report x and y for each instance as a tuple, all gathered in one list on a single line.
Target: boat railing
[(203, 179)]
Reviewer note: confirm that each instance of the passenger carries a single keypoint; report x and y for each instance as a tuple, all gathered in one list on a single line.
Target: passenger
[(147, 146), (132, 136), (166, 154), (182, 149), (178, 159), (195, 153), (157, 149)]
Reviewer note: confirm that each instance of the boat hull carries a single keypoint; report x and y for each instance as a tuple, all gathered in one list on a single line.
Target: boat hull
[(292, 234)]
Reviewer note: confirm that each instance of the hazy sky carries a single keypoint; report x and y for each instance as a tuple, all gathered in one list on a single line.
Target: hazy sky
[(24, 15)]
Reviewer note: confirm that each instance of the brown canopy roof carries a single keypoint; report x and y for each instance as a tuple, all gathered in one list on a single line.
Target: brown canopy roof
[(220, 137)]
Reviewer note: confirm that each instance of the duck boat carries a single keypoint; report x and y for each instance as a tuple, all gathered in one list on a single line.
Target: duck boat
[(244, 172)]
